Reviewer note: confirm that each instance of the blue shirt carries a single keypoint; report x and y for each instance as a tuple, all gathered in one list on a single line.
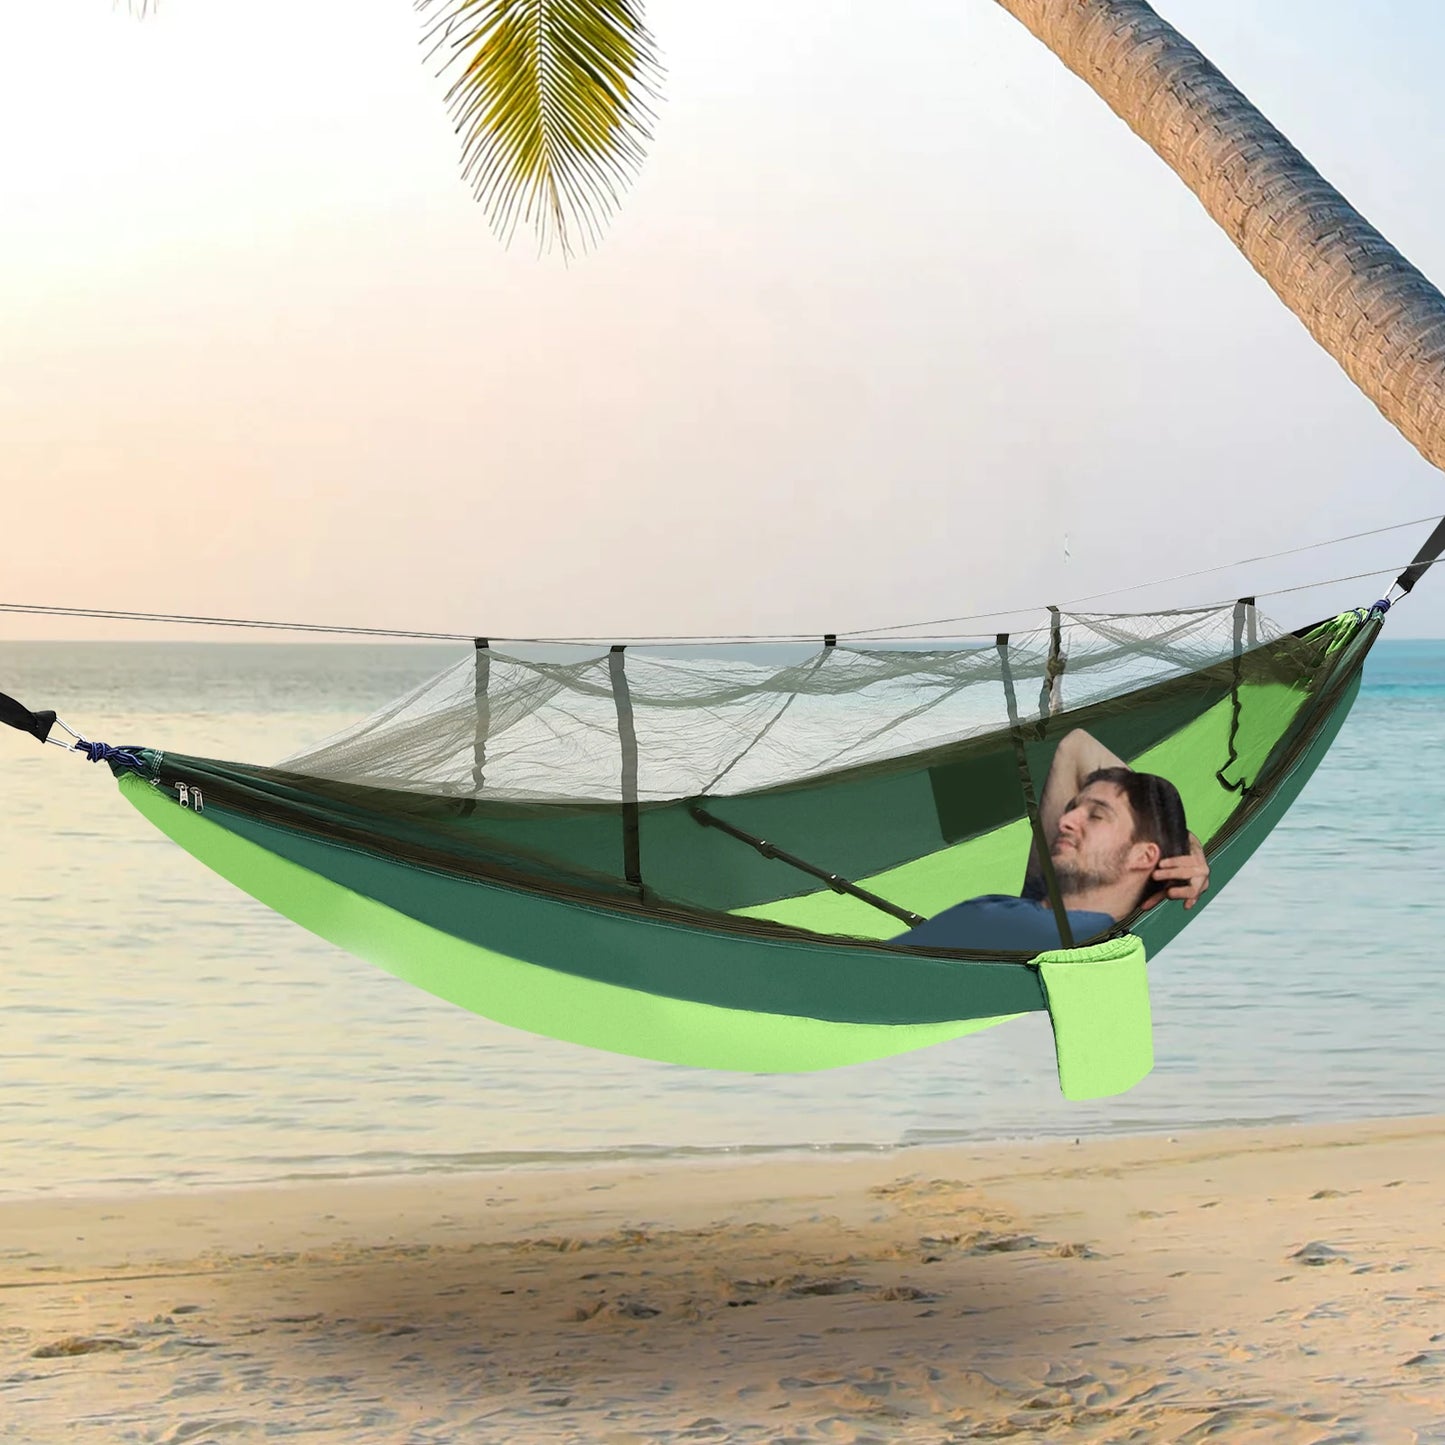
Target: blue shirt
[(997, 921)]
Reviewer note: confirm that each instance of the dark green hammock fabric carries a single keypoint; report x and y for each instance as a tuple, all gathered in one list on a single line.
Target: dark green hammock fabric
[(522, 836)]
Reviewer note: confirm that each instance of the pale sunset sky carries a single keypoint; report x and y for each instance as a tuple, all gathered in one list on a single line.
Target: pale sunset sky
[(895, 307)]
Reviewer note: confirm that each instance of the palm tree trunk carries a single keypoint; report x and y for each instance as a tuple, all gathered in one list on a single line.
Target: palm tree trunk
[(1379, 317)]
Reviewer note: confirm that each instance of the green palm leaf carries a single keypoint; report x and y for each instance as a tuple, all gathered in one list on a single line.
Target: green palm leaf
[(550, 98)]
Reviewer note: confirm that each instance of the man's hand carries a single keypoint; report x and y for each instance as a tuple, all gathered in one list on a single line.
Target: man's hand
[(1184, 878)]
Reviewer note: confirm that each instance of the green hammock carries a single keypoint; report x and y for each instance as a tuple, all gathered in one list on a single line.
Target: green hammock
[(711, 859)]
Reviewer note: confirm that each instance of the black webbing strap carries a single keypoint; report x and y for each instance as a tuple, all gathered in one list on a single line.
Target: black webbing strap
[(1243, 610), (835, 881), (484, 712), (627, 737), (1425, 558), (1051, 694), (1031, 804), (17, 715)]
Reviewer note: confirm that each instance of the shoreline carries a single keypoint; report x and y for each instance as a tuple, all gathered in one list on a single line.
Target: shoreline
[(667, 1157), (1285, 1284)]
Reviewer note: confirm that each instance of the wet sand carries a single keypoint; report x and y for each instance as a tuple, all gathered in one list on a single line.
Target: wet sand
[(1266, 1285)]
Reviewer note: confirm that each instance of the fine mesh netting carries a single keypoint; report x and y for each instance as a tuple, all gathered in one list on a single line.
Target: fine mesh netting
[(652, 725), (840, 790)]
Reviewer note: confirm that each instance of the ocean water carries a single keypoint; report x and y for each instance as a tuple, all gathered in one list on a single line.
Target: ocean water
[(159, 1029)]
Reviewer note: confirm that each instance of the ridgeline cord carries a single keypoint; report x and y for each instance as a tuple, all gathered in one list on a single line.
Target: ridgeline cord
[(1413, 571), (1204, 572)]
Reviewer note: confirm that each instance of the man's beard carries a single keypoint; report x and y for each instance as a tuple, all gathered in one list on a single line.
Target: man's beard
[(1076, 877)]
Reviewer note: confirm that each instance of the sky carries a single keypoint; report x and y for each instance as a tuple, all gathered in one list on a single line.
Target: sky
[(898, 323)]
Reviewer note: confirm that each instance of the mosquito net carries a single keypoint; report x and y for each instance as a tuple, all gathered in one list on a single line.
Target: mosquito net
[(651, 724), (845, 790)]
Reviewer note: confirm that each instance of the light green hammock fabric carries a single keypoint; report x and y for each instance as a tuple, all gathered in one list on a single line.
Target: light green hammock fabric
[(709, 859)]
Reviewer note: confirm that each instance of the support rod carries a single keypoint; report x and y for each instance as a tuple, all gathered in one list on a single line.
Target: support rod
[(834, 881)]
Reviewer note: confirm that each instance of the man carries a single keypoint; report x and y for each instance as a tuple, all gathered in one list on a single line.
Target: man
[(1117, 841)]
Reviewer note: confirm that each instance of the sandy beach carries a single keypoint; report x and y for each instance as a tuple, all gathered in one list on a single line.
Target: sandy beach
[(1271, 1285)]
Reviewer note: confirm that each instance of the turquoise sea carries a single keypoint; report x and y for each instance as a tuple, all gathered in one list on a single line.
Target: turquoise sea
[(158, 1029)]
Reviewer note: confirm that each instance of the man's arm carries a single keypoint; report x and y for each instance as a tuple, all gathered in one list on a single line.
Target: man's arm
[(1183, 878), (1077, 755)]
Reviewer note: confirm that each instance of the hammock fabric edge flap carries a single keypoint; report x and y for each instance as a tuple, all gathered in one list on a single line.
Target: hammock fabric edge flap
[(1098, 1001)]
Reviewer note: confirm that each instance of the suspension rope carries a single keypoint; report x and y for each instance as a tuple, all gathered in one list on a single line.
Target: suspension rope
[(42, 725)]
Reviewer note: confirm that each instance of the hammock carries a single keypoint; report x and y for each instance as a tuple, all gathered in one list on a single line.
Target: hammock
[(713, 859)]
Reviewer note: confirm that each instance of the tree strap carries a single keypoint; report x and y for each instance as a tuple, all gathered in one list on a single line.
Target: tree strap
[(1425, 558), (17, 715)]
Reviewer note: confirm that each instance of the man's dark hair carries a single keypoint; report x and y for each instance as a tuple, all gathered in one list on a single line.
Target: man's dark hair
[(1157, 807)]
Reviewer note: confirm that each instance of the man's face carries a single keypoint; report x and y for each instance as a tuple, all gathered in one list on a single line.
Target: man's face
[(1095, 840)]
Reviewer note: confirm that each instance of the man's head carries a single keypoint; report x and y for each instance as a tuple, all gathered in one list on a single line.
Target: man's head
[(1113, 834)]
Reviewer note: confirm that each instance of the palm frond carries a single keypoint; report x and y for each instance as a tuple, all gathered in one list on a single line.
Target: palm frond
[(551, 100)]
